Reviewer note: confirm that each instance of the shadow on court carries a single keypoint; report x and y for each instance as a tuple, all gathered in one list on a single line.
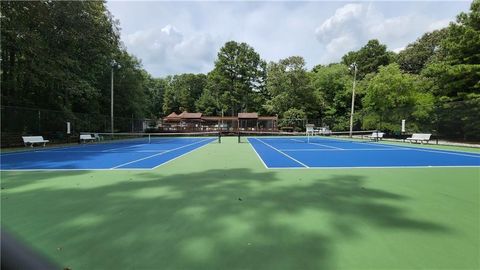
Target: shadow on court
[(214, 219)]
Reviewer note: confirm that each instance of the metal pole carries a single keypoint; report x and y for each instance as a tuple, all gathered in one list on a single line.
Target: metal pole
[(353, 98), (111, 101)]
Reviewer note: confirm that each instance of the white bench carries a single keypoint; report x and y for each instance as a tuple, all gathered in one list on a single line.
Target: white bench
[(376, 136), (419, 137), (31, 140), (86, 137)]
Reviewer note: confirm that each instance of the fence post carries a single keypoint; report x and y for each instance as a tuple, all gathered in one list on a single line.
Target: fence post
[(39, 120)]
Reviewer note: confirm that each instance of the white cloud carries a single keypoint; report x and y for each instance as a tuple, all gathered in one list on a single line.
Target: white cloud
[(180, 37), (342, 43), (397, 50), (352, 25), (171, 51), (438, 24)]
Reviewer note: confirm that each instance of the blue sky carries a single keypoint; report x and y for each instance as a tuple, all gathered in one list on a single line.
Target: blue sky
[(184, 37)]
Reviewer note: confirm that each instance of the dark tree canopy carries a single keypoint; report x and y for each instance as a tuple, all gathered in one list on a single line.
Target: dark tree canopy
[(57, 55), (414, 58)]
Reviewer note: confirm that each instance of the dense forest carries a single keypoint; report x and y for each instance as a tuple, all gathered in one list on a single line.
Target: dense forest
[(59, 56)]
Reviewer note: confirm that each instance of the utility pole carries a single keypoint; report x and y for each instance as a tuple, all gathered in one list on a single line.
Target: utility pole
[(113, 65), (111, 98), (354, 65)]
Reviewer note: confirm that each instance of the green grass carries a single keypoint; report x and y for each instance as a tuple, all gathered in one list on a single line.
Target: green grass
[(219, 208)]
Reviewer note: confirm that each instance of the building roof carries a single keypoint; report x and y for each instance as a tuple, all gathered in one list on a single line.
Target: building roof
[(172, 115), (187, 115), (248, 115)]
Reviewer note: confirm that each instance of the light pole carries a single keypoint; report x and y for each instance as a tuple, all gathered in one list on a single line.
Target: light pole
[(113, 65), (354, 66)]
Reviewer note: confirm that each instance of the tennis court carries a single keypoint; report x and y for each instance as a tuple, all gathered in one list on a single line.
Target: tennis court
[(324, 152), (218, 208), (125, 152)]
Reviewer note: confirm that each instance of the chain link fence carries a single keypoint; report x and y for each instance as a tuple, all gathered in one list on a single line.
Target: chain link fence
[(450, 121), (20, 121)]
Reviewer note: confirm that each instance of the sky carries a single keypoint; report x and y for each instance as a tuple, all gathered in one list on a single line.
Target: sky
[(184, 37)]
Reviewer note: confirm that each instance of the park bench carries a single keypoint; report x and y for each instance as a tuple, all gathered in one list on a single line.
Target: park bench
[(86, 138), (376, 136), (31, 140), (419, 137)]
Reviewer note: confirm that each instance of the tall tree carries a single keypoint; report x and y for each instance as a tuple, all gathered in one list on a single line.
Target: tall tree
[(369, 58), (417, 54), (155, 89), (455, 70), (333, 83), (238, 77), (391, 96), (57, 55), (288, 84), (57, 50), (183, 91)]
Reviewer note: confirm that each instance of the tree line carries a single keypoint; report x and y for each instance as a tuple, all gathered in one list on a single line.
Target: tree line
[(58, 55)]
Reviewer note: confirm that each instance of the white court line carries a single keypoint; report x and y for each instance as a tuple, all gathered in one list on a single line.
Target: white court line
[(269, 168), (258, 155), (376, 144), (361, 149), (168, 161), (112, 152), (420, 149), (374, 167), (443, 152), (426, 150), (135, 145), (324, 145), (106, 169), (123, 147), (282, 153), (167, 151), (47, 149), (73, 169)]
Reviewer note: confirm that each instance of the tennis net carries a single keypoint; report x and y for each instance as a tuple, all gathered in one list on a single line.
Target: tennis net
[(303, 137), (151, 138)]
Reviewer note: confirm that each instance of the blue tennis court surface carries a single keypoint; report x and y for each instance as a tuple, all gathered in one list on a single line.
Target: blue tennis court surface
[(102, 156), (297, 152)]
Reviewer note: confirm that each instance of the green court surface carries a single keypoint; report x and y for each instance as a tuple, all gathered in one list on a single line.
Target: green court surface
[(219, 208)]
